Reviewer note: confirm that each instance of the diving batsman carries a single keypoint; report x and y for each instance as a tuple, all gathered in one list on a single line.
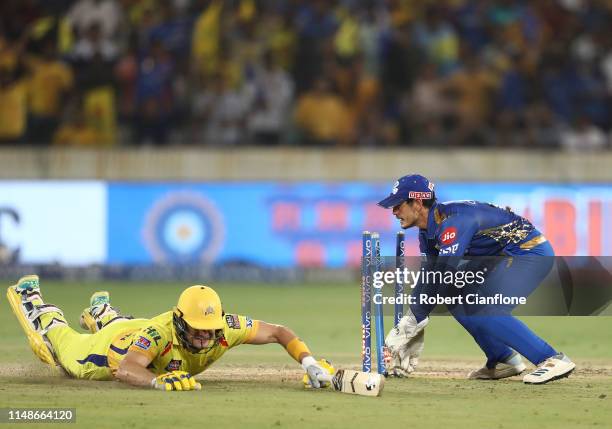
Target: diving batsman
[(164, 352)]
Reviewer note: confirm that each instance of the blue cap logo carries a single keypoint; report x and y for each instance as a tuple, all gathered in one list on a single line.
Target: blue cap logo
[(413, 186)]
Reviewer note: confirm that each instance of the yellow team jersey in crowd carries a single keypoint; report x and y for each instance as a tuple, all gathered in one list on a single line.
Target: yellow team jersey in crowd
[(205, 40), (97, 356), (13, 110), (101, 114), (49, 81), (76, 134)]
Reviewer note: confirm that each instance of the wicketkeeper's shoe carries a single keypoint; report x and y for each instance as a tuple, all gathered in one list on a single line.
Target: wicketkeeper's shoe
[(27, 305), (553, 368), (501, 370)]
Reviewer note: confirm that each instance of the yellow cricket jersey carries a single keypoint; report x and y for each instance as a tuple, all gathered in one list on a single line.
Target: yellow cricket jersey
[(158, 342), (97, 356)]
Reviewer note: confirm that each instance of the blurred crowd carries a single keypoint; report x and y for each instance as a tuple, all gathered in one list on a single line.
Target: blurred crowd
[(437, 73)]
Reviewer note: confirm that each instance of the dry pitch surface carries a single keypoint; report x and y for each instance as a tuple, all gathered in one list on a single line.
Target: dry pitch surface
[(433, 369)]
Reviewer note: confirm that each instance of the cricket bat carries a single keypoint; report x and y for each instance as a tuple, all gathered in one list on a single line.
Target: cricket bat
[(358, 383)]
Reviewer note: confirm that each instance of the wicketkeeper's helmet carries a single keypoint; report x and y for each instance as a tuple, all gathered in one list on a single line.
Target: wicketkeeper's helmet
[(200, 308)]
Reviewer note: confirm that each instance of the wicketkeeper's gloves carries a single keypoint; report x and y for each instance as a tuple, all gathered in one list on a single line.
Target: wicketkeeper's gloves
[(404, 361), (405, 343), (175, 380)]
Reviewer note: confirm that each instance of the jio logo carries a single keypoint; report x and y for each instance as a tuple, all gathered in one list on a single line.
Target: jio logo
[(448, 235)]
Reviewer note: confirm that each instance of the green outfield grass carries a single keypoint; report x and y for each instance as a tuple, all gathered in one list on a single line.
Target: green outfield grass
[(327, 318)]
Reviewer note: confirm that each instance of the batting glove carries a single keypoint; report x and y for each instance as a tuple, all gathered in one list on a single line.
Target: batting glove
[(175, 380), (318, 374)]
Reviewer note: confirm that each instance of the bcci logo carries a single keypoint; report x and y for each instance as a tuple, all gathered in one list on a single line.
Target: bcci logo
[(184, 227)]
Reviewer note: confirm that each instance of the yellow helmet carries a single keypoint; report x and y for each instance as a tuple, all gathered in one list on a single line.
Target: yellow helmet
[(200, 307)]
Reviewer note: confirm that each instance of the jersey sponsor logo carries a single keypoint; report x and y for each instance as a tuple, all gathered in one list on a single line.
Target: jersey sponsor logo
[(249, 322), (173, 365), (448, 236), (449, 250), (152, 332), (419, 195), (143, 343), (223, 342), (232, 321)]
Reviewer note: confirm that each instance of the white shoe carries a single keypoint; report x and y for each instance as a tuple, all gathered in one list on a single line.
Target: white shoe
[(553, 368), (511, 366), (501, 370)]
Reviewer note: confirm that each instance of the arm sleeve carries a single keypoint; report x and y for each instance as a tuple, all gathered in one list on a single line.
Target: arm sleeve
[(453, 239), (239, 329), (147, 341)]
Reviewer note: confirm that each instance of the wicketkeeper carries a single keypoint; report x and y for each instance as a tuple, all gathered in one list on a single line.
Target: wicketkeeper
[(164, 352), (450, 231)]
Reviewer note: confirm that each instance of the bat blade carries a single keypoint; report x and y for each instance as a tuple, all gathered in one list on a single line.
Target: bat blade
[(358, 382)]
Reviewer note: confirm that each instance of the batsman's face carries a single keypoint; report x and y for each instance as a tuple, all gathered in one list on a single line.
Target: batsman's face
[(407, 214), (199, 338)]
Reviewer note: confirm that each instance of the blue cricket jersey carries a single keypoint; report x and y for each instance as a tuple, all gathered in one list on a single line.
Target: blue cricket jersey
[(459, 229), (471, 228)]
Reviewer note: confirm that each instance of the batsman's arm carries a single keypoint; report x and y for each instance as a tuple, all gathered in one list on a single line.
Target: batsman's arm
[(133, 370), (269, 333)]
